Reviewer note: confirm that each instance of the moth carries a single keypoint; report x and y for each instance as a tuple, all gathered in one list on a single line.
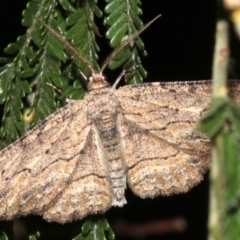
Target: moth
[(80, 159)]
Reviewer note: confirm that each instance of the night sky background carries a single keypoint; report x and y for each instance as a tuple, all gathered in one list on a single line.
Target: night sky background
[(180, 47)]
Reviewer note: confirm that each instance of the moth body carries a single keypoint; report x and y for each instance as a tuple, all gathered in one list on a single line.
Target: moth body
[(103, 110)]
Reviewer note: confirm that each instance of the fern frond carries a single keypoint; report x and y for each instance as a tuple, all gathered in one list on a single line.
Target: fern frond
[(15, 76), (96, 229), (123, 20)]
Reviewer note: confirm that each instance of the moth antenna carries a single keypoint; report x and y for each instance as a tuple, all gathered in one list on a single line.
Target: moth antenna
[(70, 47), (125, 43), (118, 79)]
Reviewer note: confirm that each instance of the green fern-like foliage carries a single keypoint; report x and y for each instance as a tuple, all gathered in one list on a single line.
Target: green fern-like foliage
[(124, 19), (38, 64), (96, 229)]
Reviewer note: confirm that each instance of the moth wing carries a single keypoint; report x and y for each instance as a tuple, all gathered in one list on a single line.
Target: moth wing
[(88, 191), (164, 153), (234, 90), (37, 168)]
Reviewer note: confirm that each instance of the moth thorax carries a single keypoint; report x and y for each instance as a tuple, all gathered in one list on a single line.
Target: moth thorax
[(97, 81)]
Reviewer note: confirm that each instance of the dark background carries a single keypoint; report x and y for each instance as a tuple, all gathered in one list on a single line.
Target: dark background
[(180, 47)]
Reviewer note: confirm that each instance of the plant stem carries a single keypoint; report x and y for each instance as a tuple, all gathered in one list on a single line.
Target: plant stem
[(217, 175)]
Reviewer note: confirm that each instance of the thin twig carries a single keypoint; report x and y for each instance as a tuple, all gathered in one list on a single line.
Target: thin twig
[(217, 176)]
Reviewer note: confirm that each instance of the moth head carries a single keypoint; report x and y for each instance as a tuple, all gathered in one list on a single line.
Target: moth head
[(97, 81)]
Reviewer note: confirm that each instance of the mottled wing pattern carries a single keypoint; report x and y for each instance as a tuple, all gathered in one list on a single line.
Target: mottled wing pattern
[(164, 152), (88, 191), (60, 168), (234, 90), (36, 180)]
